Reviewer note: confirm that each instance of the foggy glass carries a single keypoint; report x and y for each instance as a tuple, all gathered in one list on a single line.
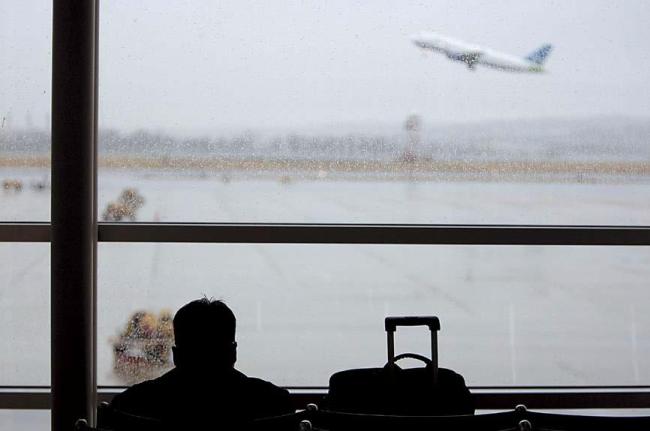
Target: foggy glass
[(510, 315), (327, 112), (25, 314), (25, 99), (37, 420)]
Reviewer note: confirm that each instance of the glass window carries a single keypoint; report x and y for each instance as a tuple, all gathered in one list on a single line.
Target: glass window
[(25, 314), (346, 112), (25, 99), (510, 315), (37, 420)]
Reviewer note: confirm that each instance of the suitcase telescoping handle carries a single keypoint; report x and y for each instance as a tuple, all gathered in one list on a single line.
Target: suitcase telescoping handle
[(391, 324)]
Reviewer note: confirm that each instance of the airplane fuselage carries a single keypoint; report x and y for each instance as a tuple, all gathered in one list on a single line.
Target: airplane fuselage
[(473, 55)]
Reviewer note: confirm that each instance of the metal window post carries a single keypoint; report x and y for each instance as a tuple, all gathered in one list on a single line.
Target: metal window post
[(93, 417), (74, 227)]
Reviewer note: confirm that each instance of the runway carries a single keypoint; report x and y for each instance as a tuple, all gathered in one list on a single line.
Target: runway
[(511, 315)]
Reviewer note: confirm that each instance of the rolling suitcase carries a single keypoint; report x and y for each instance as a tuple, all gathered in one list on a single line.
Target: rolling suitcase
[(391, 390)]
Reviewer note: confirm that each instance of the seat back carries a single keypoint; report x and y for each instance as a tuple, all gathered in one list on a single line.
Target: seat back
[(82, 425), (290, 422), (116, 420), (564, 422), (338, 421), (109, 418)]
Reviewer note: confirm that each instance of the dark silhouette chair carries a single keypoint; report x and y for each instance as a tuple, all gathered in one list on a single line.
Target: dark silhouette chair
[(290, 422), (109, 418), (339, 421), (82, 425), (563, 422), (114, 420), (519, 419)]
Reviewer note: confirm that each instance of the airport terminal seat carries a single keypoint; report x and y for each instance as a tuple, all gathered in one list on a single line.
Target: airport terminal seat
[(519, 419), (110, 419), (292, 422), (564, 422), (339, 421), (82, 425)]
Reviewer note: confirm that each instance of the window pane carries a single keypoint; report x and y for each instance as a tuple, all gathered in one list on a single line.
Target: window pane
[(25, 314), (25, 76), (510, 315), (310, 112), (32, 420), (210, 200)]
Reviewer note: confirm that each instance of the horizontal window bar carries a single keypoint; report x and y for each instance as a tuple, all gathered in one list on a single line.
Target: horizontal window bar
[(345, 234), (374, 234), (24, 232), (486, 399), (25, 399)]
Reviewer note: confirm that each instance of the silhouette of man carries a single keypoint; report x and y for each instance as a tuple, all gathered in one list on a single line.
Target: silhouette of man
[(204, 388)]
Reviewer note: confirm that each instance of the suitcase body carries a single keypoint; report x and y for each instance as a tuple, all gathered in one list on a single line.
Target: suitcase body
[(391, 390)]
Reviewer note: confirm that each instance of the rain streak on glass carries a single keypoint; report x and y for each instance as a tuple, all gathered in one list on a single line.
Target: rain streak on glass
[(342, 112), (348, 112), (510, 315), (357, 112)]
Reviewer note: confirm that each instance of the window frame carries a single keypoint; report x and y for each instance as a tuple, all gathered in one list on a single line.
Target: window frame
[(71, 16), (551, 397)]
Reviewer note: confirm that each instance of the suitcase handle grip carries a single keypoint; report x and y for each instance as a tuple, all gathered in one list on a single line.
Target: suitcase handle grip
[(401, 356), (391, 323)]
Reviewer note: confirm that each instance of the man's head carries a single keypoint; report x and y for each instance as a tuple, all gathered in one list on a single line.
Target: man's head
[(204, 334)]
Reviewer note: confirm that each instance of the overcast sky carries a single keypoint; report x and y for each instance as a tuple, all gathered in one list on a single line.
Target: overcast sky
[(204, 66)]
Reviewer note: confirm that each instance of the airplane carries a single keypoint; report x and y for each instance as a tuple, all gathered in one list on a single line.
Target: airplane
[(472, 55)]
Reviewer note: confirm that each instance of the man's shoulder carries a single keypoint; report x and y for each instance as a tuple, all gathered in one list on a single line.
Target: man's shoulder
[(273, 400), (143, 398), (173, 392), (259, 385)]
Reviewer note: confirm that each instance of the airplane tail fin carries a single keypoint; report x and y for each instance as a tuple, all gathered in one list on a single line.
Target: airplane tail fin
[(540, 55)]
